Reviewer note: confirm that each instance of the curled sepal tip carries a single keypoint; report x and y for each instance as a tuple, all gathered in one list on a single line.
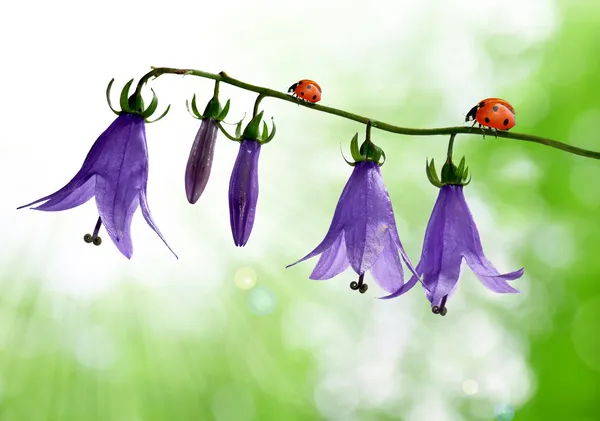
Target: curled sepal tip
[(108, 88), (124, 98), (432, 174), (221, 116), (352, 164), (354, 151), (266, 137), (235, 138), (160, 117), (152, 107), (194, 111)]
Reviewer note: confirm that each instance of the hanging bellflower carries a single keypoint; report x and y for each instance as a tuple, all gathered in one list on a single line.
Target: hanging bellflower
[(199, 165), (115, 172), (363, 231), (450, 237), (243, 184)]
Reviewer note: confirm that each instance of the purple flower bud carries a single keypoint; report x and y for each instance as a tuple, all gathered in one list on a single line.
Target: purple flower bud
[(243, 191), (199, 163)]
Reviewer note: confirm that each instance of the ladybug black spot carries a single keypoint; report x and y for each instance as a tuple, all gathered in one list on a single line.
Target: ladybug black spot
[(481, 104), (315, 97), (495, 108), (487, 120), (506, 121), (302, 93), (300, 83), (309, 86)]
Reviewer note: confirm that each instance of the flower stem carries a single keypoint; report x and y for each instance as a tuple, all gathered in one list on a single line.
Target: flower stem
[(266, 92), (450, 147), (216, 91), (256, 104)]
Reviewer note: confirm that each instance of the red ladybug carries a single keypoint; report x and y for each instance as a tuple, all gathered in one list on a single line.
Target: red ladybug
[(494, 113), (306, 89)]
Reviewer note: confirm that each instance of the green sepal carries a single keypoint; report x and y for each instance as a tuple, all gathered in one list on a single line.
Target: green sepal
[(266, 138), (194, 111), (453, 175), (223, 112), (124, 100), (227, 135), (195, 108), (352, 164), (108, 88), (384, 158), (370, 151), (461, 168), (212, 109), (136, 103), (432, 173), (251, 130), (354, 149), (238, 129), (161, 116), (152, 107)]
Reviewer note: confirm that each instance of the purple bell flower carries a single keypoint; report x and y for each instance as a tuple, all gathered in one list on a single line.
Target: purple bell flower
[(363, 234), (199, 165), (243, 191), (115, 172), (452, 236)]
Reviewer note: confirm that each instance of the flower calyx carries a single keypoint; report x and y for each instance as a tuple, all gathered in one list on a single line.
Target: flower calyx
[(368, 151), (252, 130), (213, 109), (134, 104), (451, 174)]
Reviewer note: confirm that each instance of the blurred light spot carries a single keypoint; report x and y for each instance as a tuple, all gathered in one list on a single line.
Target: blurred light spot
[(262, 301), (584, 128), (233, 403), (553, 245), (504, 412), (431, 406), (581, 174), (585, 333), (245, 278), (519, 169), (470, 387), (336, 396), (94, 348)]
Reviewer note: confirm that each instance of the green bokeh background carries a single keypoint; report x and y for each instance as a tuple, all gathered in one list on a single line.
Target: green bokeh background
[(130, 354)]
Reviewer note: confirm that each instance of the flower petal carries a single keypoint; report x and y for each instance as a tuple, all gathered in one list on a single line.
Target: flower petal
[(404, 288), (332, 262), (342, 217), (150, 221), (475, 257), (122, 172), (369, 215), (79, 193), (92, 162), (387, 270), (489, 275)]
